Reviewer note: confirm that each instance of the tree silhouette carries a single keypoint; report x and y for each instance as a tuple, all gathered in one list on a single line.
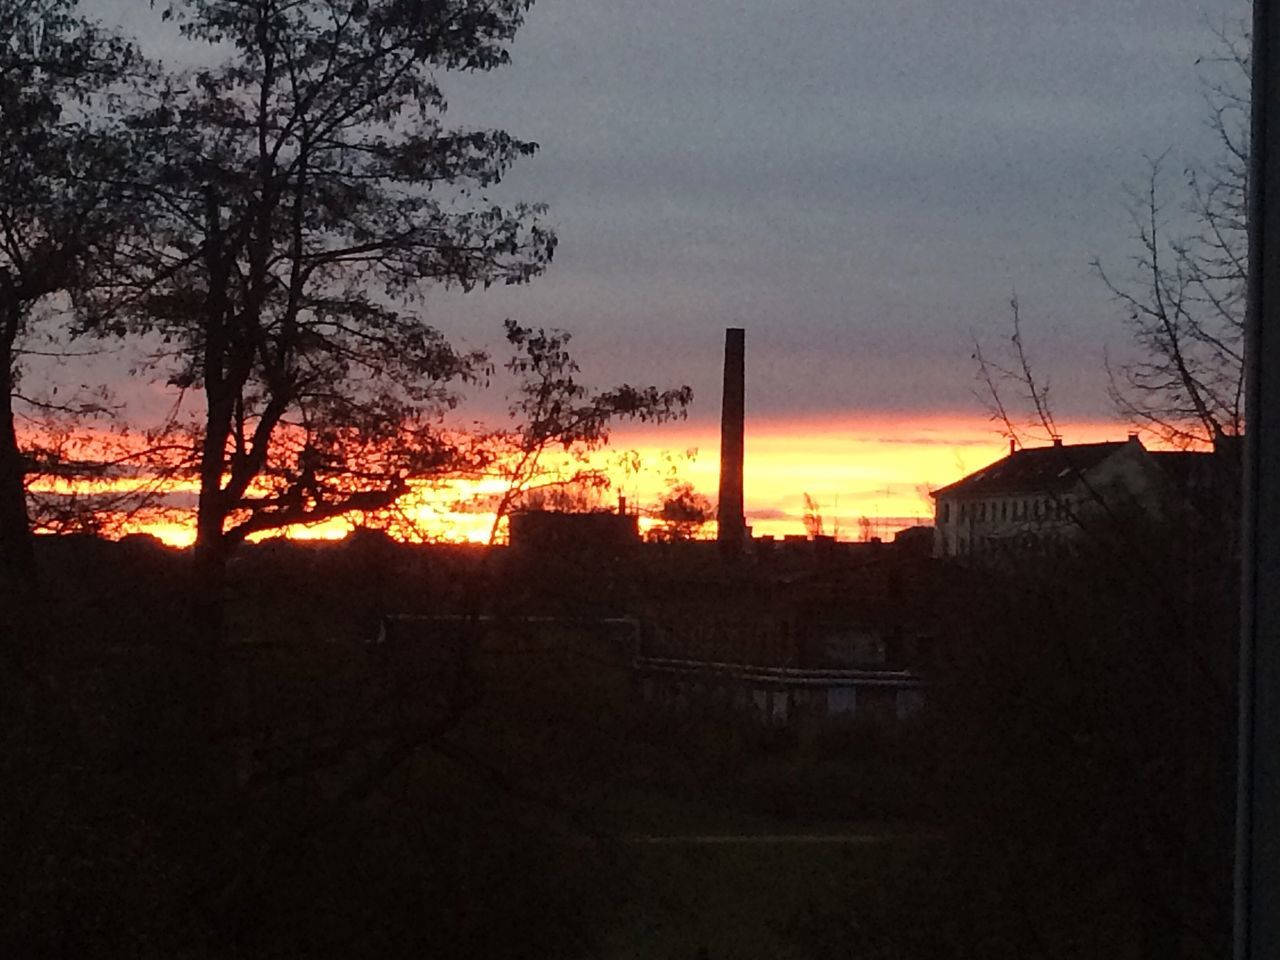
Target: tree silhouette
[(552, 409), (1186, 300), (682, 513), (303, 193), (58, 204), (812, 517)]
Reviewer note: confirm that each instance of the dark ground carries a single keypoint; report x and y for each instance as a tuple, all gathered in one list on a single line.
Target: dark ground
[(301, 794)]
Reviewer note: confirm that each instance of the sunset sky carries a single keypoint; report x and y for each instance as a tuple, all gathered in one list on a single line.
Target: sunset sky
[(861, 184), (879, 468)]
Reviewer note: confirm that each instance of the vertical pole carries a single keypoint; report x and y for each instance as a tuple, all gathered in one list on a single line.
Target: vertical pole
[(1257, 878), (731, 521)]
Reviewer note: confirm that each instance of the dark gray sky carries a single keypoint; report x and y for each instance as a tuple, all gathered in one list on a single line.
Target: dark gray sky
[(859, 183)]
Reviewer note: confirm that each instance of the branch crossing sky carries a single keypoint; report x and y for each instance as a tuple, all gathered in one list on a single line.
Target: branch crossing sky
[(861, 184)]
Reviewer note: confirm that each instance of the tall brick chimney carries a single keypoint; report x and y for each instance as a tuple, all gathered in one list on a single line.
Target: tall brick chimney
[(730, 518)]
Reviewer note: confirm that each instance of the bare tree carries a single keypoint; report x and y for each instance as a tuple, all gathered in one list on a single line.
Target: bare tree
[(1127, 563), (865, 528), (1185, 301), (812, 517), (1015, 372)]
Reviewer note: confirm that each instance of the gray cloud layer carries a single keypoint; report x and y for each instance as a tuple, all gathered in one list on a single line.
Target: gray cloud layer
[(860, 183)]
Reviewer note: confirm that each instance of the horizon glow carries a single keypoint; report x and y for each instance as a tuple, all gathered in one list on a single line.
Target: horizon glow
[(879, 466)]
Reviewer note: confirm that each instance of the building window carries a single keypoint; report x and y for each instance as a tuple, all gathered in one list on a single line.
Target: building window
[(944, 512)]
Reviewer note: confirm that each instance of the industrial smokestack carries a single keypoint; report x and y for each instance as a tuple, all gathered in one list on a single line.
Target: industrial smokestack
[(730, 516)]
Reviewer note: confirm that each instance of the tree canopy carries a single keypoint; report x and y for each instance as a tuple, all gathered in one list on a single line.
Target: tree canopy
[(60, 208), (303, 194)]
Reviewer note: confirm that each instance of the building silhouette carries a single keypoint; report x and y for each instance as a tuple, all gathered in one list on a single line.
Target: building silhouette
[(1042, 498)]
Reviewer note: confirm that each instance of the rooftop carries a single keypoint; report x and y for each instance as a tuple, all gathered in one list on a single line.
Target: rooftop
[(1039, 468)]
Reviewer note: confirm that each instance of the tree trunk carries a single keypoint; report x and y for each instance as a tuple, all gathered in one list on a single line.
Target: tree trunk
[(207, 588), (210, 554), (17, 554)]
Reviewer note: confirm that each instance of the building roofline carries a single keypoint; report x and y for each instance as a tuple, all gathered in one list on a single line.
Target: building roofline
[(1086, 457)]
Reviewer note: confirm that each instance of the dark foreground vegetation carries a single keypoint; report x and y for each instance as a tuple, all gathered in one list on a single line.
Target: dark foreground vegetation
[(206, 756), (469, 792)]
